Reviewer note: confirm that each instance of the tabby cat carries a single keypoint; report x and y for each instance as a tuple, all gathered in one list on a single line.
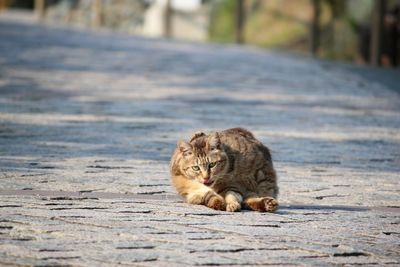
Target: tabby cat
[(225, 170)]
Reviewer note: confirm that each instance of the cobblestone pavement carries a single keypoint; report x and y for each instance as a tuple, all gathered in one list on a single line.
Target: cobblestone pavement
[(88, 122)]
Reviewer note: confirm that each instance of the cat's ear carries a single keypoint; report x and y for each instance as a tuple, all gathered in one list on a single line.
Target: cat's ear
[(196, 135), (214, 142), (185, 147)]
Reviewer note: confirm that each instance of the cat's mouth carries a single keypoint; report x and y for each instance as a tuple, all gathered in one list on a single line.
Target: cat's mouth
[(208, 182)]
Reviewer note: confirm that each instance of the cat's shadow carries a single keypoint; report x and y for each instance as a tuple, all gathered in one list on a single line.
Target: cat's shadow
[(316, 209)]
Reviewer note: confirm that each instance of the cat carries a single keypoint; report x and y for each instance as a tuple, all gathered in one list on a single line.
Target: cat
[(226, 170)]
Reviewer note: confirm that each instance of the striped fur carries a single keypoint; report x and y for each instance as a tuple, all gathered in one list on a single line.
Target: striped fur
[(225, 170)]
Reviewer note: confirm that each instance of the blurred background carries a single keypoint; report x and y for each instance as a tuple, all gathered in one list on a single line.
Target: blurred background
[(360, 31)]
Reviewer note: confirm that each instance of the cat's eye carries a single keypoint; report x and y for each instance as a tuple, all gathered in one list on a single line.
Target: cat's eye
[(196, 168), (212, 164)]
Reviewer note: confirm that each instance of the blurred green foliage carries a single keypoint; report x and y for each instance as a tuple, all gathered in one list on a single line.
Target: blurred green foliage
[(222, 21), (285, 24)]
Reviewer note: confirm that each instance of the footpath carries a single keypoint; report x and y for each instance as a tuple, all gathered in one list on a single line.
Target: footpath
[(89, 120)]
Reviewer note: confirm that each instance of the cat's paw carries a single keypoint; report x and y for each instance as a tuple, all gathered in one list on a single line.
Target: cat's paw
[(233, 206), (196, 199), (263, 204), (271, 204), (216, 203)]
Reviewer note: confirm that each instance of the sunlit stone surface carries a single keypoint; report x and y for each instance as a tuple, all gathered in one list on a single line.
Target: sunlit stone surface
[(88, 122)]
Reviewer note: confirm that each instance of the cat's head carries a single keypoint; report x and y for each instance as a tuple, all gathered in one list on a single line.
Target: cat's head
[(203, 158)]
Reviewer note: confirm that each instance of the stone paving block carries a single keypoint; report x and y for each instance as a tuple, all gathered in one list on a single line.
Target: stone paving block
[(88, 124)]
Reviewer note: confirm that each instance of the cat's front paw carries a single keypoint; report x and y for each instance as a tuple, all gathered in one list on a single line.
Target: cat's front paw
[(233, 206), (216, 202), (271, 204)]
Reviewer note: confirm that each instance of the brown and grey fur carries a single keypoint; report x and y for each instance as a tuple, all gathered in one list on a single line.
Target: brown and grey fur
[(225, 170)]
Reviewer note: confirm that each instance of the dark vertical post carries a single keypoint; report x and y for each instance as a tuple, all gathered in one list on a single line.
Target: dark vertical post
[(239, 22), (168, 20), (40, 8), (314, 31), (376, 31)]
